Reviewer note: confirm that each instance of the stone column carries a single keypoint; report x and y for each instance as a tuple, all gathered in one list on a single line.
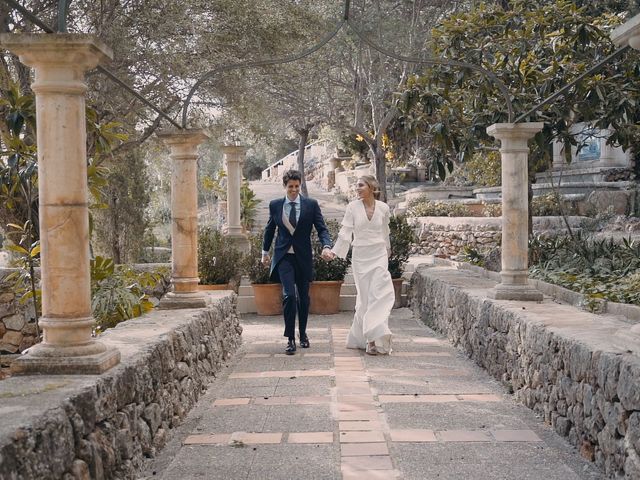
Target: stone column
[(515, 226), (233, 159), (183, 146), (628, 33), (60, 62), (559, 161)]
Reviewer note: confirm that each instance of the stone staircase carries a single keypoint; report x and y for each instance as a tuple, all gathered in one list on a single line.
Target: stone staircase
[(246, 303)]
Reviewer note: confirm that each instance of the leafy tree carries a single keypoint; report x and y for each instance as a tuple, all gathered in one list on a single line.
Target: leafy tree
[(535, 48), (119, 228)]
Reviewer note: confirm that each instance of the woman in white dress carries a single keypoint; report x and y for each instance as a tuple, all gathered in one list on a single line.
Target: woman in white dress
[(365, 227)]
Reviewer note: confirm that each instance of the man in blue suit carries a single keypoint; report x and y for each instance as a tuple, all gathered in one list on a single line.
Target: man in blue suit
[(292, 263)]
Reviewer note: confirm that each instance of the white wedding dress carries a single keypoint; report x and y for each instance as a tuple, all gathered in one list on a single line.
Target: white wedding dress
[(375, 294)]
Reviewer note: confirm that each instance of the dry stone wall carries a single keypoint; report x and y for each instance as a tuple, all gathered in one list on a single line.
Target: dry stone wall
[(586, 383), (446, 236), (17, 321), (103, 427)]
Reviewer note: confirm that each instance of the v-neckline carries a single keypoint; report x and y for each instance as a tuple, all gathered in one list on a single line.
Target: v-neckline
[(365, 210)]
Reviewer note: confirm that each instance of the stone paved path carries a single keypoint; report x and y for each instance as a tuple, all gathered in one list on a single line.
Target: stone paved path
[(425, 412)]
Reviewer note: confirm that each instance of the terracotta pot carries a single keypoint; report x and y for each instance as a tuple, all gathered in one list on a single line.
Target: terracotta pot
[(397, 287), (325, 297), (268, 298)]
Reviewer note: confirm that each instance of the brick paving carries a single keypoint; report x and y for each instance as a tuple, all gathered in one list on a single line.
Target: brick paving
[(330, 413)]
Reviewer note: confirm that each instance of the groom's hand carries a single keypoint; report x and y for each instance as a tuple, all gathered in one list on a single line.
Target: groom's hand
[(327, 254), (266, 259)]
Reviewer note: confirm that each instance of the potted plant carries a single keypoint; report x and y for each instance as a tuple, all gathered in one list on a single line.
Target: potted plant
[(328, 277), (401, 236), (267, 294), (219, 263)]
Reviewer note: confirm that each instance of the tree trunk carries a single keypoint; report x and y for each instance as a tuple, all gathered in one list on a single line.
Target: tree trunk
[(116, 253), (303, 134), (380, 164)]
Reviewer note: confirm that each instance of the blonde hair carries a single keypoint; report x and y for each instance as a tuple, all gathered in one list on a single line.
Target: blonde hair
[(373, 184)]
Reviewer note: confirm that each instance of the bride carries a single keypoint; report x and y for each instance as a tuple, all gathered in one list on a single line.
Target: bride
[(366, 226)]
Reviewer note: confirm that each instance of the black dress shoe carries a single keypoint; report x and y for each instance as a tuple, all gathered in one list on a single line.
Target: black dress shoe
[(304, 341), (291, 347)]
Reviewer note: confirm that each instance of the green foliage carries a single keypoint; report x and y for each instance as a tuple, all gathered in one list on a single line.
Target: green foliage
[(492, 210), (120, 222), (218, 261), (118, 293), (484, 169), (599, 269), (26, 248), (402, 237), (535, 48), (423, 207), (335, 269), (253, 165), (18, 160), (253, 267), (471, 255), (248, 206), (549, 204), (217, 185)]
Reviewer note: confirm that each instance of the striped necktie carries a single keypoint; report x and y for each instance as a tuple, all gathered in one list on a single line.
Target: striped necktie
[(292, 214)]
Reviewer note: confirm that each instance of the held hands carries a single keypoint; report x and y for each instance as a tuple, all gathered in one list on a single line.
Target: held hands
[(266, 260), (327, 254)]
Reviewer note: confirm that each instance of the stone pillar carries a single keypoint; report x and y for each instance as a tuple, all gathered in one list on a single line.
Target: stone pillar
[(233, 159), (559, 161), (183, 145), (60, 62), (515, 226), (628, 33)]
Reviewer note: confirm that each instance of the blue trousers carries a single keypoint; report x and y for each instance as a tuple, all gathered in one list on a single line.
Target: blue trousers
[(295, 295)]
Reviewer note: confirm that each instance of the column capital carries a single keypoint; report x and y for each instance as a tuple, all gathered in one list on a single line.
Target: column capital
[(234, 152), (183, 143), (514, 131), (187, 136), (60, 60), (74, 50), (628, 33)]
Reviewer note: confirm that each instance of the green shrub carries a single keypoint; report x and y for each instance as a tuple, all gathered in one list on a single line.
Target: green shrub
[(252, 264), (549, 205), (423, 207), (599, 269), (334, 270), (492, 210), (402, 237), (118, 293), (482, 169), (248, 206), (219, 262), (471, 255)]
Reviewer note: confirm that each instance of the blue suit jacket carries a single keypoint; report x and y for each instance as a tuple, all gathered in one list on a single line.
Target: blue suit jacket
[(310, 216)]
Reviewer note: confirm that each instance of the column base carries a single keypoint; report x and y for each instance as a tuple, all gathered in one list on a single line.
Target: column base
[(174, 301), (524, 293), (240, 241), (45, 359)]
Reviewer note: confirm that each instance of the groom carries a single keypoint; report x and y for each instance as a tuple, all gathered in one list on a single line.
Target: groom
[(292, 263)]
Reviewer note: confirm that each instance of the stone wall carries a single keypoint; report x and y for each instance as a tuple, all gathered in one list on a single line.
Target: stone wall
[(17, 319), (446, 236), (80, 427), (580, 371)]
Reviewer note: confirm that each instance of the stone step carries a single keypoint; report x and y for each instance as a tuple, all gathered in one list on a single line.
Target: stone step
[(246, 304)]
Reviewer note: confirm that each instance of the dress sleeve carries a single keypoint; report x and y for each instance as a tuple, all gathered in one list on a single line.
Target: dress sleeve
[(385, 227), (343, 242)]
